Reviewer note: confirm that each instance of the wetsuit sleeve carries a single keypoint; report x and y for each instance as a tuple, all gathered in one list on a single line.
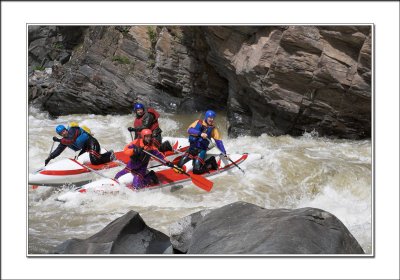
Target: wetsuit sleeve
[(220, 146), (73, 133), (158, 154), (192, 131), (60, 148), (148, 120), (217, 137)]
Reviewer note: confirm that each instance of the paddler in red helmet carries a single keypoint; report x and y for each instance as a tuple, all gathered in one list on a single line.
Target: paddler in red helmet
[(148, 119), (139, 160)]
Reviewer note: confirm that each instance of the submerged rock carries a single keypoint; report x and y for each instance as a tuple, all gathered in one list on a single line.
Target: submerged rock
[(244, 228), (126, 235)]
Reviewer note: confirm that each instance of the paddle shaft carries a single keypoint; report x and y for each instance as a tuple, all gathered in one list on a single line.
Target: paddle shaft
[(198, 180), (234, 163), (51, 149), (225, 155), (94, 171)]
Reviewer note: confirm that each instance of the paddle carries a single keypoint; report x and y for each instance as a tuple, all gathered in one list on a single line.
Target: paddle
[(198, 180), (226, 156), (94, 171), (233, 162), (51, 150)]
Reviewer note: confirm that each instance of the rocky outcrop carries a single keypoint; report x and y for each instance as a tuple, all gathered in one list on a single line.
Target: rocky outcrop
[(287, 80), (126, 235), (112, 67), (270, 79), (244, 228), (237, 228)]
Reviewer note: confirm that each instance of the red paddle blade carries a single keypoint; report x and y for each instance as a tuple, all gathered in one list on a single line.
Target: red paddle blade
[(202, 182)]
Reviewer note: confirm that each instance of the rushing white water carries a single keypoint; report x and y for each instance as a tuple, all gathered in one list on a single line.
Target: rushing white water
[(307, 171)]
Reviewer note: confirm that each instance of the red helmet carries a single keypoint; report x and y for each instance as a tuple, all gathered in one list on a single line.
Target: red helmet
[(145, 132)]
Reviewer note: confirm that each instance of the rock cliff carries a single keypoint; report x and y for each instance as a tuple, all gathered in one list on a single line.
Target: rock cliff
[(270, 79)]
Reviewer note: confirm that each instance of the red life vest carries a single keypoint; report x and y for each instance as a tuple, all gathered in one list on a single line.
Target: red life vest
[(138, 121)]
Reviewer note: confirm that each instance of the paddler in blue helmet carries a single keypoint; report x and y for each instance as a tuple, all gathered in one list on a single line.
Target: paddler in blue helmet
[(200, 134), (77, 139), (147, 118)]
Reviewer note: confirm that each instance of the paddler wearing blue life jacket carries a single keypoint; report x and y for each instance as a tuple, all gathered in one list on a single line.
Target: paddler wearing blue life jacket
[(200, 134), (148, 119), (79, 139)]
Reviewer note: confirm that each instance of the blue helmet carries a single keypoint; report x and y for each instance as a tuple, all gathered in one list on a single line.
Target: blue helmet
[(138, 106), (60, 128), (210, 114)]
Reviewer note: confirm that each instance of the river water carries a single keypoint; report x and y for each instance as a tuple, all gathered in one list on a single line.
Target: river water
[(307, 171)]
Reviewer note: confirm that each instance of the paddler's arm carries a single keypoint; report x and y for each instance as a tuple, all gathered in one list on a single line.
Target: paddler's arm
[(60, 148), (192, 131), (71, 137), (161, 156), (217, 137), (128, 149)]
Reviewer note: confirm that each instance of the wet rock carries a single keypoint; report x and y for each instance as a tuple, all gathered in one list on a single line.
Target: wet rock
[(244, 228), (126, 235), (271, 79), (287, 80), (181, 232)]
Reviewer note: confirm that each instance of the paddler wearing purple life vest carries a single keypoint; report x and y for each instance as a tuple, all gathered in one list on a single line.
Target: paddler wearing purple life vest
[(200, 133), (148, 119)]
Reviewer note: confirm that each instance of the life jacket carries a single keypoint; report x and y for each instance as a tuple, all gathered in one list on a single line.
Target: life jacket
[(139, 121), (143, 157), (84, 127), (198, 141), (83, 136)]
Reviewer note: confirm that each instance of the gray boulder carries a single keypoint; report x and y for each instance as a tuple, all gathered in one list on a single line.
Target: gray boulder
[(181, 232), (244, 228), (126, 235)]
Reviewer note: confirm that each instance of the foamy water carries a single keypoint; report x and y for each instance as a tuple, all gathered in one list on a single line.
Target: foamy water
[(307, 171)]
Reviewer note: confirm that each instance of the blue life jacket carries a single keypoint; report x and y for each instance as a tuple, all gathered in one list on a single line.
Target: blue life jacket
[(198, 141), (80, 140)]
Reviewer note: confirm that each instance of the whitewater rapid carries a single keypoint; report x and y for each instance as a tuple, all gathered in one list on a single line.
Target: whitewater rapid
[(307, 171)]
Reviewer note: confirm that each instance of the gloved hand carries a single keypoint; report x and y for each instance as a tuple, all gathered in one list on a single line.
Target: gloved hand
[(170, 164), (224, 155), (178, 170), (47, 161), (137, 150), (55, 139), (130, 129)]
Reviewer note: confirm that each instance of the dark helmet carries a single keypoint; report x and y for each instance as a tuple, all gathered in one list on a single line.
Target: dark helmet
[(210, 114), (60, 128)]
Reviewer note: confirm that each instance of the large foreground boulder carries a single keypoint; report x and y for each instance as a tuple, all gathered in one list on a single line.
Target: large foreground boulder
[(126, 235), (243, 228)]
